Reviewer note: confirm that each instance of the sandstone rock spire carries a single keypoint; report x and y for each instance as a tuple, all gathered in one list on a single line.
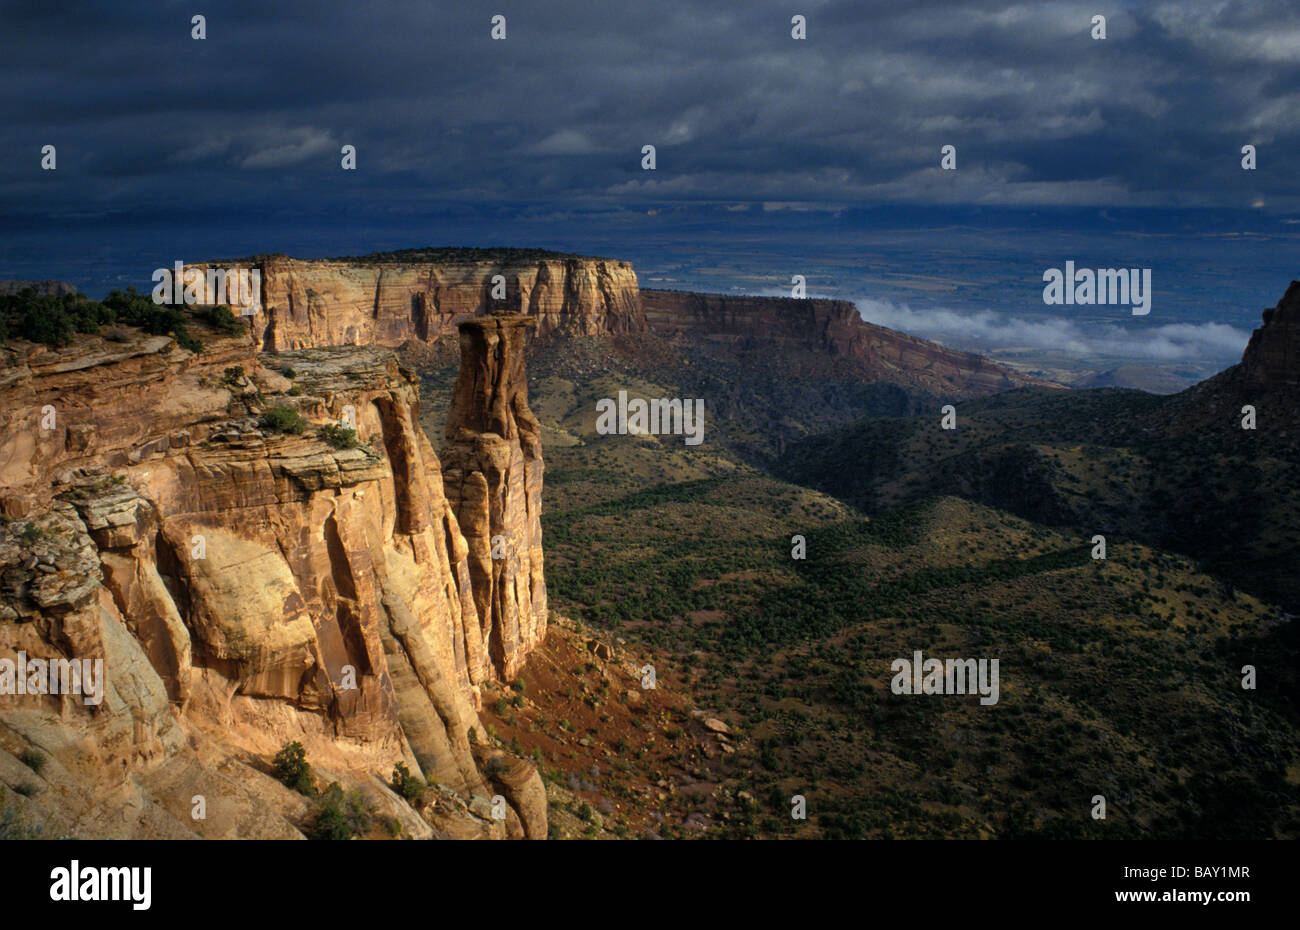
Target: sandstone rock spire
[(492, 474)]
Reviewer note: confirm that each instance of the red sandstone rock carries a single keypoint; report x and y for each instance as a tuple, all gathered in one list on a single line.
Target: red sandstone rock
[(235, 580), (492, 471), (327, 303), (834, 328), (363, 302)]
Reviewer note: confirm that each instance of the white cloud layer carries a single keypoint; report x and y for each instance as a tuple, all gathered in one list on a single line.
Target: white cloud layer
[(988, 330)]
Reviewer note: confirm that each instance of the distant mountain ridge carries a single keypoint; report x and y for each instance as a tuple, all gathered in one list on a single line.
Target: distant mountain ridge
[(39, 288)]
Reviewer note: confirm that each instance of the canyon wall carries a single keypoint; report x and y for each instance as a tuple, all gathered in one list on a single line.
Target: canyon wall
[(831, 328), (390, 298), (365, 302), (246, 586)]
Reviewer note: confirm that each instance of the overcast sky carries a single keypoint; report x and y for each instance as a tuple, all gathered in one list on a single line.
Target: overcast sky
[(774, 155), (146, 118)]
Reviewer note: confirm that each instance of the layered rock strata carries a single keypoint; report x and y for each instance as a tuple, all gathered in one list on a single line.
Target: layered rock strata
[(385, 300), (831, 328), (492, 470), (361, 302), (242, 586)]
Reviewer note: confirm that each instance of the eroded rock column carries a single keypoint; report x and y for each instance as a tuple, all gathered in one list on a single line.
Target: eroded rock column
[(492, 473)]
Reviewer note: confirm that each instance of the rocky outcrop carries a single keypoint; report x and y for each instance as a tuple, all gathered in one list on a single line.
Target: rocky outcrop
[(39, 288), (1272, 357), (244, 585), (369, 301), (828, 328), (492, 465)]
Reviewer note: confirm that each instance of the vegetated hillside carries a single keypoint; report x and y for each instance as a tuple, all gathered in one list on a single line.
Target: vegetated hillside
[(54, 315), (1119, 677), (1120, 463), (1180, 472), (1152, 379)]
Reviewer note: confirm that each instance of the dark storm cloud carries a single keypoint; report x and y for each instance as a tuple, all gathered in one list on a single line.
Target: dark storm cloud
[(147, 119)]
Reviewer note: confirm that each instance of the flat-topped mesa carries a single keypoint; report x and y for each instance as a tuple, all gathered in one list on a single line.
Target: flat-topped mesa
[(391, 298), (420, 295), (492, 473), (829, 329), (1272, 358)]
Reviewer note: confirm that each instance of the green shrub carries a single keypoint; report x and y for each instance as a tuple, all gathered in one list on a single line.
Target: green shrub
[(284, 419), (221, 319), (233, 375), (330, 824), (340, 437), (292, 770), (404, 783), (54, 321), (341, 815), (14, 826), (33, 759)]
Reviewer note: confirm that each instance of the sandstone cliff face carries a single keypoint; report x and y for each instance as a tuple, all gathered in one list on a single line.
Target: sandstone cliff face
[(324, 303), (493, 476), (831, 328), (376, 301), (243, 588), (1272, 358)]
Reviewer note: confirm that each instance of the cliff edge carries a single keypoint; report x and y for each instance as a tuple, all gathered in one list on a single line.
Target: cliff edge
[(395, 297), (248, 573)]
